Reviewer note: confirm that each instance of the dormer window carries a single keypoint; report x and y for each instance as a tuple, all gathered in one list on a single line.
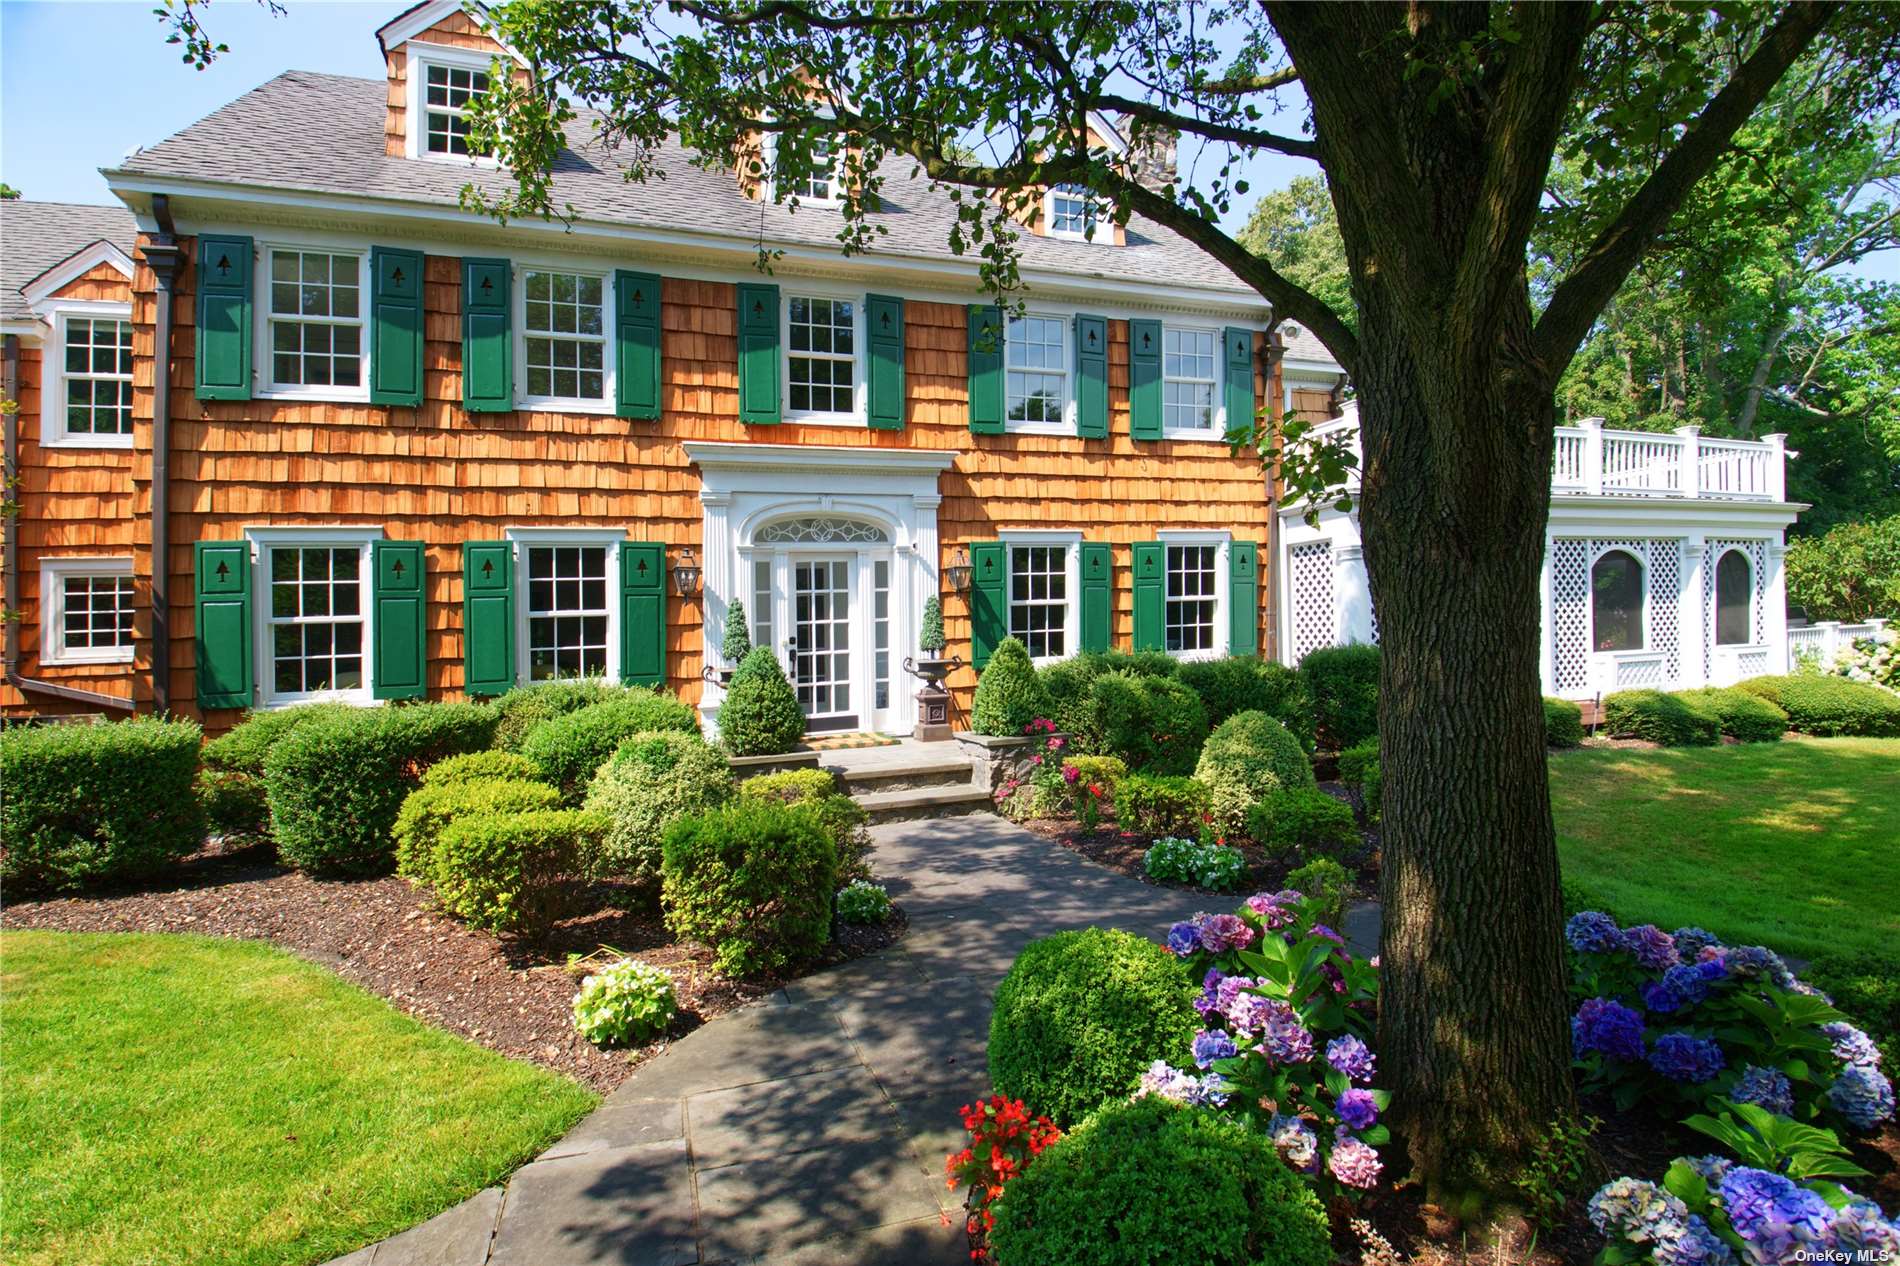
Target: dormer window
[(446, 94), (444, 83), (1071, 211), (821, 184)]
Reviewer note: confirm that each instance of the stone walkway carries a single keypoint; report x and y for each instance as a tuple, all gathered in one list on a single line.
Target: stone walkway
[(812, 1127)]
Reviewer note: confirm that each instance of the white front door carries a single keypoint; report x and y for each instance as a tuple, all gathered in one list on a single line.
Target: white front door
[(821, 644)]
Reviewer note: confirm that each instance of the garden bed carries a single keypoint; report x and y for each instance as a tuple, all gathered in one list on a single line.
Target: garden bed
[(511, 996)]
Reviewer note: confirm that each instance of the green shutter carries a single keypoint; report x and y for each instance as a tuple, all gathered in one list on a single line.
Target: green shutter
[(1091, 377), (223, 354), (1239, 377), (1150, 567), (488, 617), (398, 670), (1243, 598), (636, 345), (986, 369), (884, 323), (758, 355), (1098, 590), (1144, 380), (643, 613), (395, 336), (989, 599), (224, 634), (488, 358)]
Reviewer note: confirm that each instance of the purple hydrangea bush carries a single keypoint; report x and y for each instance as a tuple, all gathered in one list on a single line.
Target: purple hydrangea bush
[(1288, 1014), (1680, 1017)]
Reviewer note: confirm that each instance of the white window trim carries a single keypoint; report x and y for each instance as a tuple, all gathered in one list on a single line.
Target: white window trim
[(1715, 605), (53, 433), (1590, 603), (1066, 321), (1072, 584), (860, 390), (523, 537), (418, 57), (53, 574), (1217, 415), (1223, 626), (264, 369), (262, 541), (1100, 230), (518, 285)]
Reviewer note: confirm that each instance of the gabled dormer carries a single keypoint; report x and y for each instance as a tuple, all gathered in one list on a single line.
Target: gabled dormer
[(438, 56)]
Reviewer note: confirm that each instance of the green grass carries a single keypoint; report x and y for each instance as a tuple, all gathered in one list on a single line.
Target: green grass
[(1794, 845), (171, 1098)]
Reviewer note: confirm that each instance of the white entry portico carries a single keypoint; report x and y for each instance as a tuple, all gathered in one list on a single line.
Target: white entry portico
[(833, 550)]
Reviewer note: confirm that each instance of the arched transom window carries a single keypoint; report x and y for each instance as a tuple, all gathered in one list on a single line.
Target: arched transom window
[(822, 529), (1734, 600), (1616, 602)]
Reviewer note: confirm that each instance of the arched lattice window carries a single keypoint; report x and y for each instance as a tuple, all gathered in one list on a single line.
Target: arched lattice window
[(1616, 602), (822, 529), (1734, 600)]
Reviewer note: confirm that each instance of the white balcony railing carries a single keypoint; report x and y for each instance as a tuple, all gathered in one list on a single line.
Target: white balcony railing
[(1591, 461)]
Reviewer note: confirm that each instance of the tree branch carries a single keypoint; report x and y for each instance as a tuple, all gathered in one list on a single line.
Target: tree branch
[(1232, 133), (1595, 279)]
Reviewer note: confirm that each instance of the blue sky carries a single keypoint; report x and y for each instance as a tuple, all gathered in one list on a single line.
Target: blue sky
[(82, 83)]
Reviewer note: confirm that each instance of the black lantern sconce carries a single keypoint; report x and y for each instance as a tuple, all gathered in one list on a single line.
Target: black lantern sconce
[(686, 574), (958, 572)]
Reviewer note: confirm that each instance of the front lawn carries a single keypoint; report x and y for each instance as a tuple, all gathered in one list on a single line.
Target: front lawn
[(1794, 845), (169, 1098)]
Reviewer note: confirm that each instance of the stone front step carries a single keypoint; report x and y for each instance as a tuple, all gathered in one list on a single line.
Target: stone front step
[(924, 802), (949, 770)]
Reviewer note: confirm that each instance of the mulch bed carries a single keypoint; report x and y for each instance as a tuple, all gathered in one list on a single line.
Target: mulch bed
[(512, 996)]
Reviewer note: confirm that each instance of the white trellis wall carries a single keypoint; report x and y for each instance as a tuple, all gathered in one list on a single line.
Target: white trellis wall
[(1315, 621)]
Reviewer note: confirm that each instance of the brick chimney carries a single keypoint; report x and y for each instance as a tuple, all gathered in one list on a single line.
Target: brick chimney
[(1151, 156)]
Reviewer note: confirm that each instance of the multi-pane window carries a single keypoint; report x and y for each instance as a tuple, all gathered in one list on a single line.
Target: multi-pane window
[(567, 611), (881, 629), (316, 618), (98, 375), (822, 359), (446, 94), (564, 326), (1072, 213), (1191, 597), (1616, 602), (762, 603), (822, 184), (1734, 600), (316, 319), (1039, 599), (1187, 371), (95, 615), (1038, 381)]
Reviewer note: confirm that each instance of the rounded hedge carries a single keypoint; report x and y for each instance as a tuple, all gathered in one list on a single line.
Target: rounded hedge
[(652, 781), (1745, 717), (569, 748), (514, 872), (525, 707), (1563, 723), (1248, 758), (80, 804), (1240, 684), (1140, 1182), (844, 819), (1081, 1015), (760, 715), (1009, 694), (432, 806), (1828, 706), (1160, 804), (1153, 723), (1667, 719), (243, 747), (1302, 823), (479, 767), (753, 882), (1343, 683)]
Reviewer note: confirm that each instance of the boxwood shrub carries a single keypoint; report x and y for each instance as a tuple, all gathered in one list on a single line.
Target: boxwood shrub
[(432, 806), (1746, 717), (1327, 882), (1301, 823), (1160, 804), (654, 779), (753, 882), (1242, 684), (844, 819), (1563, 723), (515, 872), (567, 749), (480, 767), (337, 782), (1137, 1181), (1009, 694), (82, 804), (1828, 706), (1247, 759), (525, 707), (243, 747), (234, 804), (1153, 723), (1343, 683), (1359, 768), (1081, 1014), (1661, 718), (760, 715)]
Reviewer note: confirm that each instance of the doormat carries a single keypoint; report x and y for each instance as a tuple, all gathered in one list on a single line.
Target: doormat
[(838, 742)]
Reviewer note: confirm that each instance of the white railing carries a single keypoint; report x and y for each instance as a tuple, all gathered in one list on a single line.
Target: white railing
[(1589, 460), (1820, 641)]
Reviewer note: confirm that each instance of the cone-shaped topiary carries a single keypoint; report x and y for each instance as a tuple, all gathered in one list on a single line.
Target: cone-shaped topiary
[(930, 639), (760, 716), (1009, 695), (736, 642)]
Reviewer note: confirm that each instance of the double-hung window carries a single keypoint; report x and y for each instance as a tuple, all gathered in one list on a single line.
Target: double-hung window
[(95, 376), (821, 184), (1039, 598), (1037, 364), (1188, 366), (316, 630), (1071, 212), (568, 614), (446, 92), (86, 610), (564, 339), (314, 310), (821, 365), (1191, 624)]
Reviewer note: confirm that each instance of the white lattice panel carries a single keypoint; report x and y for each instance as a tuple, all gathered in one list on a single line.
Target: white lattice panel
[(1665, 600), (1753, 664), (1570, 561), (1311, 572), (1632, 674), (1757, 551)]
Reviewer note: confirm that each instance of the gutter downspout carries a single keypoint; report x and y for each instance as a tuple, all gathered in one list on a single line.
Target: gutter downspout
[(162, 253)]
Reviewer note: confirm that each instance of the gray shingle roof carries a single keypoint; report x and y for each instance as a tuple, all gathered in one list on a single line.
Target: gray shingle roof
[(34, 236), (324, 134)]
